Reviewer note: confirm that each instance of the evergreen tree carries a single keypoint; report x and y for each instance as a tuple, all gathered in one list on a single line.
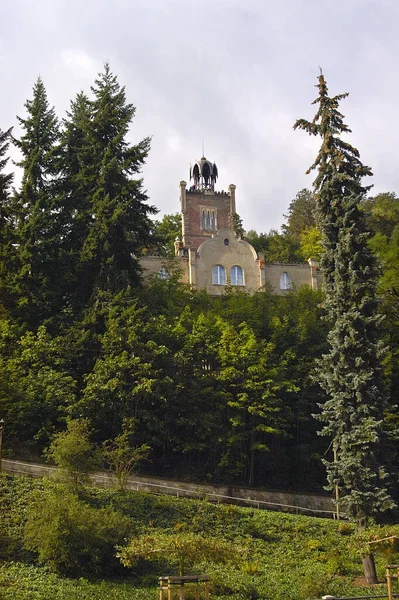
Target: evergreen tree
[(33, 264), (5, 178), (5, 210), (79, 171), (350, 373), (119, 224)]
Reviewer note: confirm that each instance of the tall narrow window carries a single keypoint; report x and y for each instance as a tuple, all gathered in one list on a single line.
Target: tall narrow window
[(208, 220), (236, 275), (285, 281), (203, 221), (218, 275), (213, 221)]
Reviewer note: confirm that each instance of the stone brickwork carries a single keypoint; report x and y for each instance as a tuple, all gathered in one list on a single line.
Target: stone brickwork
[(218, 207)]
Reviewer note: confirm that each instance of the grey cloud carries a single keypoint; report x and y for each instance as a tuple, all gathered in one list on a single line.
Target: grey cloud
[(237, 76)]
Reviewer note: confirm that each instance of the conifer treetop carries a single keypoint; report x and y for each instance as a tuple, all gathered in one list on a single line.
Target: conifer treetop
[(336, 156)]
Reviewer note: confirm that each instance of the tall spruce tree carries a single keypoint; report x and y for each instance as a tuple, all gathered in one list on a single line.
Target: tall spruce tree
[(119, 224), (34, 265), (5, 178), (78, 176), (350, 373), (5, 210)]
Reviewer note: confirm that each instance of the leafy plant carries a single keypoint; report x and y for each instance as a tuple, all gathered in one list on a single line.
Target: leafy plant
[(73, 452), (183, 547), (121, 456), (72, 537)]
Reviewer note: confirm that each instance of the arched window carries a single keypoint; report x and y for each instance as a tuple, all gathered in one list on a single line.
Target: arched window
[(218, 275), (203, 220), (213, 224), (285, 281), (163, 273), (208, 220), (236, 275)]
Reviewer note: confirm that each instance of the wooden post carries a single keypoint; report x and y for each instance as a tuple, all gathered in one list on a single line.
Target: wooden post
[(207, 590), (181, 591), (369, 569), (1, 441), (389, 584), (336, 487)]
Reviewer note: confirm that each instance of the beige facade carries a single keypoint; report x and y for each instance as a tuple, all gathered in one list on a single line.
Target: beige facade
[(234, 257), (210, 256)]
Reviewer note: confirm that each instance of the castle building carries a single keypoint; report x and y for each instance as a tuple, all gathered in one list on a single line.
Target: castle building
[(211, 256)]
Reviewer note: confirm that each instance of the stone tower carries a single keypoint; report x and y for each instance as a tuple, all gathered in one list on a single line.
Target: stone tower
[(204, 211)]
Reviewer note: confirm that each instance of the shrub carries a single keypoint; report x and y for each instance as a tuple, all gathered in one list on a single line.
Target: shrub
[(73, 452), (70, 536)]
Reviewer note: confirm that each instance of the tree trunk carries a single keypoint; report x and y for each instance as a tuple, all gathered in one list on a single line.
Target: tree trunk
[(370, 572)]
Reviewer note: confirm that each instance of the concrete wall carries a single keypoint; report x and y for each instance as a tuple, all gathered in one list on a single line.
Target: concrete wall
[(310, 504), (300, 274), (151, 266)]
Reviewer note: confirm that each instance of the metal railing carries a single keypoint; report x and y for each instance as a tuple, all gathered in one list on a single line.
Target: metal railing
[(104, 479)]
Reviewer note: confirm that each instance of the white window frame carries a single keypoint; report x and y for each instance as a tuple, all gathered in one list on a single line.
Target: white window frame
[(218, 275), (237, 275), (285, 281)]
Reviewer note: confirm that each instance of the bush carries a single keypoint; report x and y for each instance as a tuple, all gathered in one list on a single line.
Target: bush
[(73, 453), (70, 536)]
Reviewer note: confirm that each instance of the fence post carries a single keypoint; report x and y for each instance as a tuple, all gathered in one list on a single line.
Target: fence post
[(389, 583)]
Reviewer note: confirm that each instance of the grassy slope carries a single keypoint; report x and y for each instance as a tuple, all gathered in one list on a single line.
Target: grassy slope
[(290, 557)]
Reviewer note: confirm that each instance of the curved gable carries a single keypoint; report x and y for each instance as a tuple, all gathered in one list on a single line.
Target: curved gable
[(226, 251), (235, 245)]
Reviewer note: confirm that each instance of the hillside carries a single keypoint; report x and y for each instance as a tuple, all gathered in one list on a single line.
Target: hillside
[(281, 556)]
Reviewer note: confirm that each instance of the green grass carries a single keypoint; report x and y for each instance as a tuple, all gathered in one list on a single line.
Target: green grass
[(26, 582), (288, 557)]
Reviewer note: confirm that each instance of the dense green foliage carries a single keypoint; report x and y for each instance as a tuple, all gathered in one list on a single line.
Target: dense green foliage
[(281, 556), (299, 238), (72, 537), (164, 235), (73, 453), (219, 389), (351, 372)]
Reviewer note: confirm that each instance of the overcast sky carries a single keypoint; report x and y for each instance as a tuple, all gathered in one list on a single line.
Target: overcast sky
[(236, 73)]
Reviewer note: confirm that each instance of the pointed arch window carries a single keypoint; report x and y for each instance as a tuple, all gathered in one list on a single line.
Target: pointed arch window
[(236, 275), (218, 275), (285, 281), (208, 220)]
